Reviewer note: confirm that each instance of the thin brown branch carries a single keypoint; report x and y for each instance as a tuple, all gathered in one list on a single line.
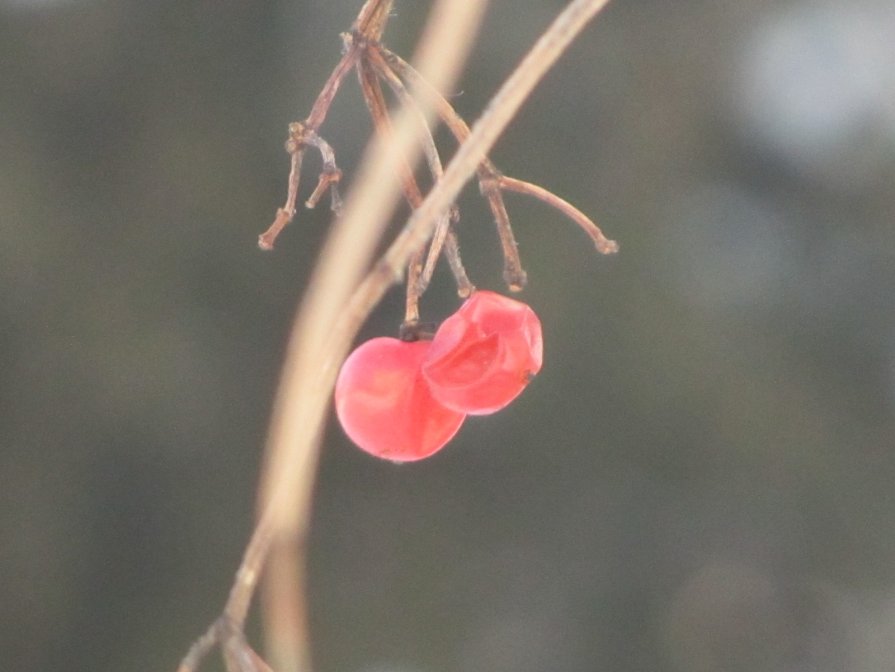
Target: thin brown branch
[(324, 100), (296, 149), (488, 173), (296, 143), (412, 193), (430, 151), (436, 246), (603, 244), (513, 273), (372, 18), (418, 276), (452, 252), (238, 655), (443, 237)]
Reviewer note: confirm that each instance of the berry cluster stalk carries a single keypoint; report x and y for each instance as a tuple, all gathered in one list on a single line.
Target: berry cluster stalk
[(339, 299)]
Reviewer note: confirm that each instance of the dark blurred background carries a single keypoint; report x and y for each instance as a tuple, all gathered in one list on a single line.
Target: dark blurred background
[(701, 477)]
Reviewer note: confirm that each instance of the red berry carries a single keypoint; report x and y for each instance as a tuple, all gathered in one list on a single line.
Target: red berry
[(385, 406), (483, 355)]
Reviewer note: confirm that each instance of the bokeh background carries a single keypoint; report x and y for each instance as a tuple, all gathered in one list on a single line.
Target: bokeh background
[(700, 479)]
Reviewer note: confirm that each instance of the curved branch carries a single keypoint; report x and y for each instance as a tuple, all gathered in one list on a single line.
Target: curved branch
[(603, 244)]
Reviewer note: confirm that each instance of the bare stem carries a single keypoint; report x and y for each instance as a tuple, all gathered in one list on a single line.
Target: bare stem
[(329, 176), (443, 238), (297, 143), (372, 18), (603, 244), (513, 273), (296, 149), (452, 252), (412, 194)]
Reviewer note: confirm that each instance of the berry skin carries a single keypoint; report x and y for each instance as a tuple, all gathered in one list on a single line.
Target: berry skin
[(385, 406), (484, 355)]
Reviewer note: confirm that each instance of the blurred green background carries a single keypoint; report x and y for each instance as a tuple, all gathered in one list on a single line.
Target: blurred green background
[(701, 477)]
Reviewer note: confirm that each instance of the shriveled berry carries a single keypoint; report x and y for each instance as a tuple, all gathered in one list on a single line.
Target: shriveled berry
[(385, 406), (485, 354)]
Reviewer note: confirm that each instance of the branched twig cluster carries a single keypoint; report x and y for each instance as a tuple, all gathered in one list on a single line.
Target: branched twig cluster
[(375, 65), (340, 296)]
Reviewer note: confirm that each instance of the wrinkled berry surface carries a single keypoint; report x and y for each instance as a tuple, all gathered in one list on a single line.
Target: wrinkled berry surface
[(484, 355)]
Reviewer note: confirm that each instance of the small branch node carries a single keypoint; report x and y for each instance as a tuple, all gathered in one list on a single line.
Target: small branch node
[(296, 137), (489, 183), (347, 42)]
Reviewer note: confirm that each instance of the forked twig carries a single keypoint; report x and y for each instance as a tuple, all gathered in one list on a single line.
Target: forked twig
[(370, 23)]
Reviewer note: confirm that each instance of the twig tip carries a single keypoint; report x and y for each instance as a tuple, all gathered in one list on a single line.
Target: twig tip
[(607, 246)]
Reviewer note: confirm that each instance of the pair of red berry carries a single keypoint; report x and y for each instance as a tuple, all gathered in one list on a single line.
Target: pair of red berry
[(404, 401)]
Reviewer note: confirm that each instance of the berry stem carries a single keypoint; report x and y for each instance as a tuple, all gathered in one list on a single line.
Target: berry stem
[(445, 237), (513, 273), (452, 252), (412, 194), (372, 18), (602, 243)]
